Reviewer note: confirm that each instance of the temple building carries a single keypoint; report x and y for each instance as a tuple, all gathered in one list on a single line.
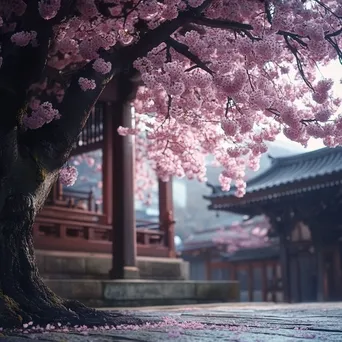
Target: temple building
[(98, 214), (301, 198), (241, 252)]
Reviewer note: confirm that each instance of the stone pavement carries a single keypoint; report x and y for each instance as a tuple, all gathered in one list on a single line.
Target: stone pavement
[(226, 322)]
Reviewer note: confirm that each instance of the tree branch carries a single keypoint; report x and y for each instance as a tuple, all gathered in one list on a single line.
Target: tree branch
[(222, 24), (293, 36), (269, 11), (22, 66), (53, 142), (184, 50), (299, 62), (329, 37), (327, 8), (15, 75)]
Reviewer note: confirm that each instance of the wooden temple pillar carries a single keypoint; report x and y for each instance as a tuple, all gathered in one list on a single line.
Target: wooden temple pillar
[(124, 258), (328, 264), (166, 215), (321, 285), (285, 265), (337, 271), (283, 224), (319, 250)]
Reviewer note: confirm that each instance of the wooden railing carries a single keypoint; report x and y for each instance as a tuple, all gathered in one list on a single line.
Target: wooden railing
[(71, 221), (91, 137), (71, 229), (83, 200)]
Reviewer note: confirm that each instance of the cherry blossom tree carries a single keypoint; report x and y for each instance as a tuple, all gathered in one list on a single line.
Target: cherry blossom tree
[(218, 76), (241, 235)]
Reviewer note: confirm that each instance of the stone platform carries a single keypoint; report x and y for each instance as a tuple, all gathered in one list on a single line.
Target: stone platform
[(76, 265), (132, 293), (229, 322)]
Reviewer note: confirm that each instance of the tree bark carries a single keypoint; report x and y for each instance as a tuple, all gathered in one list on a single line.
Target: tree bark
[(30, 160), (23, 295)]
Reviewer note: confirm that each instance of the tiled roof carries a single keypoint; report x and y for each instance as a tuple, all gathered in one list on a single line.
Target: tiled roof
[(291, 170)]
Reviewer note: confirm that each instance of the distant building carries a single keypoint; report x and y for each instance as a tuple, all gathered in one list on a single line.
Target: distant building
[(190, 207), (242, 252), (301, 196)]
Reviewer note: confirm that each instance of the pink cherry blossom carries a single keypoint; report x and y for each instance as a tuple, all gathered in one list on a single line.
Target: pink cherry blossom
[(23, 38), (86, 84), (101, 66), (68, 175), (49, 8), (43, 114), (226, 79)]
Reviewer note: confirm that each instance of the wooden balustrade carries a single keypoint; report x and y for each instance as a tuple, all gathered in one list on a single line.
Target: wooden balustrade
[(70, 229), (68, 198), (91, 137), (70, 220)]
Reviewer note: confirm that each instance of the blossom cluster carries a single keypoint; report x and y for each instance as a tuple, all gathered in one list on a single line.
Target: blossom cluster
[(225, 84), (43, 114), (48, 9), (68, 175), (23, 38), (242, 235), (86, 84), (101, 66)]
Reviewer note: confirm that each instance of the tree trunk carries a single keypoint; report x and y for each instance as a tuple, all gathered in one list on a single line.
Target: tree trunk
[(24, 297)]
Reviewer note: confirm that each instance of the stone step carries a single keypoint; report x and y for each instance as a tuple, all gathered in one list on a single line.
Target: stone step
[(130, 293), (68, 265)]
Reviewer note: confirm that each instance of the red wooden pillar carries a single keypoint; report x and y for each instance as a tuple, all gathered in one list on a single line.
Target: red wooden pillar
[(166, 216), (124, 263)]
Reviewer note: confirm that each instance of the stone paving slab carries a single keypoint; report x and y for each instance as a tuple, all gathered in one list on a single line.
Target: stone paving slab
[(228, 322)]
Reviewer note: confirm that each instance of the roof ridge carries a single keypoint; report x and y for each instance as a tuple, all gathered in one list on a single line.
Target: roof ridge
[(306, 155), (284, 170), (280, 161)]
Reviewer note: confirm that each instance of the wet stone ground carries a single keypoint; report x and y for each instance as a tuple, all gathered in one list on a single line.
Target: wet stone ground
[(228, 322)]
